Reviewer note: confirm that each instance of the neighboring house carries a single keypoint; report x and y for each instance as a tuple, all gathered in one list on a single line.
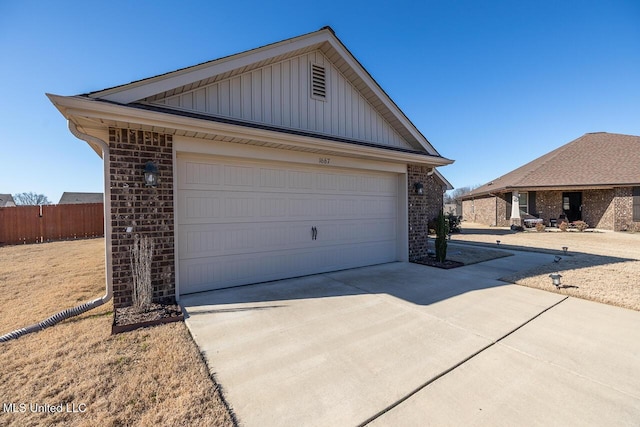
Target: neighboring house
[(595, 178), (6, 200), (69, 198), (278, 162)]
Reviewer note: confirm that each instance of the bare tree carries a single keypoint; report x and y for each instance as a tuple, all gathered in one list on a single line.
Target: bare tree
[(141, 260), (31, 199), (454, 196)]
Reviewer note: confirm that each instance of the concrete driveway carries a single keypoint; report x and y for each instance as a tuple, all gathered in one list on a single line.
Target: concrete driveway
[(405, 344)]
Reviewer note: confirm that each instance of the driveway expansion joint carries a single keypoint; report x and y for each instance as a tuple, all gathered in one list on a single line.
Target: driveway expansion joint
[(457, 365)]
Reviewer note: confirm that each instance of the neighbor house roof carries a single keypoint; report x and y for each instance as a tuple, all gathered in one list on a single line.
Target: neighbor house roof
[(6, 200), (595, 160), (69, 198)]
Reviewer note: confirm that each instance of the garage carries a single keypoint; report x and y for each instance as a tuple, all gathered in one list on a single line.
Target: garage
[(281, 161), (241, 221)]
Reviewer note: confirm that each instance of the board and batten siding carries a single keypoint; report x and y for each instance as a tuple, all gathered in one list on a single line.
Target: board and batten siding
[(279, 94)]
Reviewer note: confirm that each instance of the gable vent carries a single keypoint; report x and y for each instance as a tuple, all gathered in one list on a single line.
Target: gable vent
[(318, 82)]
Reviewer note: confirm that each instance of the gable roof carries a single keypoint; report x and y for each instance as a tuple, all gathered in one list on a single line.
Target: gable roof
[(137, 105), (6, 200), (69, 198), (595, 160), (325, 40)]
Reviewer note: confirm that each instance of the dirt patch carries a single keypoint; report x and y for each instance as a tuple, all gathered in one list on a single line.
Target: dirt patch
[(461, 255), (151, 376), (431, 262), (126, 319), (157, 312)]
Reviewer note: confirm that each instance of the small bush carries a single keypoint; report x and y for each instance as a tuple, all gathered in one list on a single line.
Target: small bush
[(581, 225), (540, 227), (453, 222), (441, 240), (563, 226)]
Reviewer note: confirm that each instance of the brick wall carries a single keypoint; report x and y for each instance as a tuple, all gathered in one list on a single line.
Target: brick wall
[(604, 209), (422, 208), (598, 208), (549, 204), (623, 207), (481, 210), (148, 210), (503, 206)]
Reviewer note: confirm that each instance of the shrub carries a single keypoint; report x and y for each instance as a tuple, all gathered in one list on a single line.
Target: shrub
[(540, 227), (453, 222), (563, 226), (441, 239), (581, 225)]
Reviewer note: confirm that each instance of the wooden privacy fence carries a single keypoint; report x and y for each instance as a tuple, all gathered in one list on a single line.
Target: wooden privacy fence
[(36, 224)]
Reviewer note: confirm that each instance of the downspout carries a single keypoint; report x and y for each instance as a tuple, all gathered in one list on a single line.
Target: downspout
[(75, 311)]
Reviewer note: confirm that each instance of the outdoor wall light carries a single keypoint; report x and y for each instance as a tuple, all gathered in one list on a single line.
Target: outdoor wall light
[(555, 279), (565, 249), (150, 174), (419, 188)]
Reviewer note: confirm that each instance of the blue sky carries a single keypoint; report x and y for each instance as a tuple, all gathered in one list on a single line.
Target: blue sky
[(491, 84)]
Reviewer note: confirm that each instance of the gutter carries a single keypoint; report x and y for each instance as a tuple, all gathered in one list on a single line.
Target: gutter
[(75, 311), (143, 116)]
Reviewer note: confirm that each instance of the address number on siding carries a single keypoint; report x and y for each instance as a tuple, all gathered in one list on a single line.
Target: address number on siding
[(324, 160)]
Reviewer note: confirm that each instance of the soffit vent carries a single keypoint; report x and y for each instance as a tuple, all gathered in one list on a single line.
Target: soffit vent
[(318, 82)]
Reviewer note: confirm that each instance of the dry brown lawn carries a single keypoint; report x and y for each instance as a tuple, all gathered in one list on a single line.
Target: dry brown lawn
[(152, 376), (600, 266)]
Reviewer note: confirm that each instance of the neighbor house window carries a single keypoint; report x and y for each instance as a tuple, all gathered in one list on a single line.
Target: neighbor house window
[(524, 202), (636, 204)]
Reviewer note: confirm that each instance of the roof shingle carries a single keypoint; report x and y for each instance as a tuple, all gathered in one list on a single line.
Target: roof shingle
[(593, 160)]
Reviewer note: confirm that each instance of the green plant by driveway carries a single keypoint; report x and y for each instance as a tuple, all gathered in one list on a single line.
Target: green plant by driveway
[(441, 238)]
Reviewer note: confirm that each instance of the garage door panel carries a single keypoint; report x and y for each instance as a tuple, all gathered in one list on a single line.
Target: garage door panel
[(211, 240), (243, 222), (206, 207), (198, 175), (203, 274)]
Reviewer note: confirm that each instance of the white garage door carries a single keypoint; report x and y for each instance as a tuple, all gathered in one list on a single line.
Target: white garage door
[(242, 222)]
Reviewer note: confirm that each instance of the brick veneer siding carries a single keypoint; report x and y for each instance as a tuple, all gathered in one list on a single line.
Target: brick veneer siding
[(623, 206), (481, 210), (598, 209), (607, 209), (422, 208), (549, 205), (148, 210)]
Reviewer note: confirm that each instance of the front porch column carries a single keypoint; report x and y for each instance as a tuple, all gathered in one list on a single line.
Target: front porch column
[(515, 209)]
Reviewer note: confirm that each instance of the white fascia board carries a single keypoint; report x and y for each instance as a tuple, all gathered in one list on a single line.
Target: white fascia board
[(79, 107), (149, 87), (446, 182)]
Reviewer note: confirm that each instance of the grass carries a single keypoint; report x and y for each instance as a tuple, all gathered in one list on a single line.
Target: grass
[(152, 376), (602, 267)]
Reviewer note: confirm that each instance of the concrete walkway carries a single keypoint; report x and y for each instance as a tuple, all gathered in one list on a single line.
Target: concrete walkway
[(405, 344)]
